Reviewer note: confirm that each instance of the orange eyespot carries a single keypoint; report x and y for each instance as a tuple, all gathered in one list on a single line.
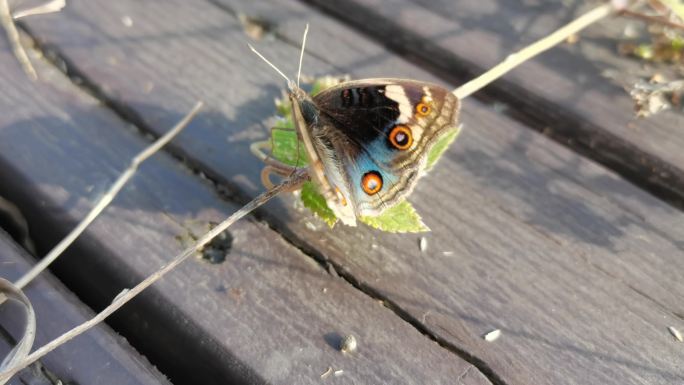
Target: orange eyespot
[(401, 137), (371, 182), (423, 109)]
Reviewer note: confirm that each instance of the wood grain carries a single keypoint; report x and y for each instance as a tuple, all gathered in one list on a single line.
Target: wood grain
[(580, 269), (268, 314), (101, 356), (575, 93)]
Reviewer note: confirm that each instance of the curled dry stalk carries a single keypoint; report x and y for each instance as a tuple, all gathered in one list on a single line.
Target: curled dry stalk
[(126, 295), (15, 360), (23, 347), (300, 176)]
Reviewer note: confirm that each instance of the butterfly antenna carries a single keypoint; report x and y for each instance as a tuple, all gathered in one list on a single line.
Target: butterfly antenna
[(290, 83), (301, 54)]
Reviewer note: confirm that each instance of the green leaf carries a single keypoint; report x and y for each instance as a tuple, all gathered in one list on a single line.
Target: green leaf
[(442, 145), (315, 202), (287, 148), (284, 107), (324, 82), (401, 218), (645, 51)]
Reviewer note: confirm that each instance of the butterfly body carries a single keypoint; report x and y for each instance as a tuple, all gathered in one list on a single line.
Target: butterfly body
[(367, 140)]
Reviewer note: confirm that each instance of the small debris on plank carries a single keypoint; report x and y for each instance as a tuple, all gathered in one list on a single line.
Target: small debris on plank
[(127, 21), (348, 344), (499, 107), (448, 253), (572, 39), (216, 251), (149, 86), (327, 372), (493, 335), (675, 333), (254, 28), (422, 244), (338, 372)]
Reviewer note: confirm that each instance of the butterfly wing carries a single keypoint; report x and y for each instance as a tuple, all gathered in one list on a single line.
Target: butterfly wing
[(380, 132)]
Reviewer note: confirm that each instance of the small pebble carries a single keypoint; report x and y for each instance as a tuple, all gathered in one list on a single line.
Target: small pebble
[(348, 344), (675, 333), (492, 336), (338, 372), (448, 253), (422, 244), (127, 21)]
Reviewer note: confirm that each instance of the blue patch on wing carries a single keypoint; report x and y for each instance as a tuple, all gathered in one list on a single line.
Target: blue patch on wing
[(376, 156)]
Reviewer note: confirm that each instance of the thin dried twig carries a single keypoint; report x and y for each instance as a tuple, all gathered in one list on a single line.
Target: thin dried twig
[(13, 36), (538, 47), (126, 295), (49, 7), (652, 19), (107, 198)]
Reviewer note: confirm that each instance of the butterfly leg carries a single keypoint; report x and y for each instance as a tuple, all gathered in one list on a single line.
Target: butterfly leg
[(269, 170), (273, 166)]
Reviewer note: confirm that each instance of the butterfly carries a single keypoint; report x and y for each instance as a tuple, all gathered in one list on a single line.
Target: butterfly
[(367, 140)]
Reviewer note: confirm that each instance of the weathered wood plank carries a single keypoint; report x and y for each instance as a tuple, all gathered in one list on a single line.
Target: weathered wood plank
[(267, 315), (580, 269), (99, 357), (574, 93)]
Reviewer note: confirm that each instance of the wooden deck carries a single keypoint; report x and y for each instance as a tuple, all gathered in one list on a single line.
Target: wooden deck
[(556, 217)]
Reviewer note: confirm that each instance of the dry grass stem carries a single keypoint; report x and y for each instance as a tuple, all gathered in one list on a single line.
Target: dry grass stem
[(49, 7), (536, 48), (297, 179), (13, 36), (107, 198)]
